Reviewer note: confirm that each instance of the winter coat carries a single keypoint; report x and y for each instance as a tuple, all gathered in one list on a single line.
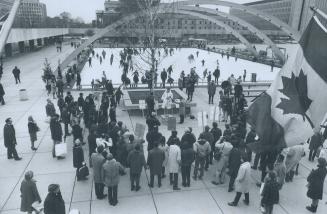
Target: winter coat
[(50, 110), (155, 160), (9, 135), (316, 181), (33, 129), (110, 172), (121, 152), (202, 149), (152, 137), (225, 148), (294, 155), (187, 157), (216, 132), (234, 162), (152, 121), (54, 204), (165, 148), (92, 143), (208, 136), (270, 193), (56, 130), (212, 89), (97, 161), (173, 140), (136, 161), (189, 138), (315, 142), (243, 179), (29, 195), (182, 108), (78, 156), (174, 158)]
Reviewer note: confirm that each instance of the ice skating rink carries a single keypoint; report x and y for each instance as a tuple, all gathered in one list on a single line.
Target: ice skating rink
[(179, 61)]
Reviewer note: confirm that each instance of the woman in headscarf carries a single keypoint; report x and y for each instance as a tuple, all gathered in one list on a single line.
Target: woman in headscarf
[(29, 193)]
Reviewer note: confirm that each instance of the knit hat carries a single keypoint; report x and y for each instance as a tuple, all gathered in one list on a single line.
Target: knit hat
[(53, 187), (322, 162), (29, 175), (7, 120)]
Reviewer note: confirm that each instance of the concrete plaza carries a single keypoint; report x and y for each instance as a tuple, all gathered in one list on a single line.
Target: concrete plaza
[(201, 198)]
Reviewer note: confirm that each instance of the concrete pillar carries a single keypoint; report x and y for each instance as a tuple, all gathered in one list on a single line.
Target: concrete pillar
[(31, 44), (39, 42), (21, 47), (8, 50)]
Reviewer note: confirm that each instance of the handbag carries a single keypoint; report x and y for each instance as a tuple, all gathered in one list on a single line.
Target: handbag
[(61, 149)]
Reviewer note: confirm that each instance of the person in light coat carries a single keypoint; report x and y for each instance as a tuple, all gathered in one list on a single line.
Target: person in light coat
[(225, 147), (174, 160), (97, 161), (167, 99), (242, 182), (293, 157)]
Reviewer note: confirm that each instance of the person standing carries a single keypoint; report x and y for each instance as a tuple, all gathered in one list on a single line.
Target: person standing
[(234, 163), (174, 159), (280, 170), (50, 109), (314, 143), (78, 157), (16, 73), (187, 158), (155, 160), (54, 203), (244, 75), (56, 133), (211, 91), (216, 74), (208, 136), (97, 161), (242, 182), (315, 185), (270, 193), (111, 59), (32, 130), (110, 176), (202, 149), (29, 193), (2, 94), (163, 76), (182, 110), (10, 142), (188, 137), (136, 161), (149, 100)]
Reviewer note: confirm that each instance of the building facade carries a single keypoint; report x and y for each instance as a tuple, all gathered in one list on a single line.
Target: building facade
[(5, 6), (31, 14)]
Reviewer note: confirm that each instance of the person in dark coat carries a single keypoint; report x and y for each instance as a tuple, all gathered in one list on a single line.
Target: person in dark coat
[(136, 161), (16, 73), (118, 95), (152, 121), (316, 181), (80, 101), (188, 137), (216, 74), (250, 138), (10, 142), (163, 76), (208, 136), (173, 139), (155, 160), (112, 113), (53, 203), (270, 193), (65, 117), (2, 94), (187, 158), (78, 157), (69, 98), (97, 160), (211, 91), (153, 136), (32, 130), (77, 132), (56, 133), (29, 193), (92, 142), (234, 164), (217, 133), (50, 109), (149, 100), (314, 143)]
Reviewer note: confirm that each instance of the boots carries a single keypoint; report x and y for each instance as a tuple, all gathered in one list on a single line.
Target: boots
[(312, 208)]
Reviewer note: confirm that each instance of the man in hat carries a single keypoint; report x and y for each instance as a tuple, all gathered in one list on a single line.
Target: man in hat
[(188, 137), (97, 161), (10, 140), (54, 202)]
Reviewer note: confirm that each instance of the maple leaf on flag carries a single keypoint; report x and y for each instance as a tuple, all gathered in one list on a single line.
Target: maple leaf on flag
[(298, 102)]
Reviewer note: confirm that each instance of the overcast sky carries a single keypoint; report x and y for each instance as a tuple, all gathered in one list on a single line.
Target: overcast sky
[(85, 8)]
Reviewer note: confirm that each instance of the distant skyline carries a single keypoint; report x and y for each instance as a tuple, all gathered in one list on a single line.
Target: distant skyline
[(86, 8)]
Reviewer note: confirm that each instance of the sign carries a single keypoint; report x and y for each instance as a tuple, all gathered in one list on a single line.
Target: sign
[(171, 123), (139, 130), (214, 113), (142, 104), (202, 119)]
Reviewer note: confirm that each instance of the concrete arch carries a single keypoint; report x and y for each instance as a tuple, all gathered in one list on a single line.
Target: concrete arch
[(253, 29), (273, 20), (222, 24)]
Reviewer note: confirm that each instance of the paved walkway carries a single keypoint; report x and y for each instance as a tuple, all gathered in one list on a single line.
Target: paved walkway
[(201, 198)]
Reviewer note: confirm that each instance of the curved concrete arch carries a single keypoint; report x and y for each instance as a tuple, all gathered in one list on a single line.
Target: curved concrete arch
[(222, 24), (253, 29), (273, 20)]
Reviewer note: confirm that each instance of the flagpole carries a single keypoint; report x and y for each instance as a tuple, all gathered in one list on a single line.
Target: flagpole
[(5, 30), (321, 13)]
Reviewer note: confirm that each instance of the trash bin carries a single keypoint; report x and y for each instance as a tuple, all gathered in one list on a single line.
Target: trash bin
[(254, 77), (23, 95)]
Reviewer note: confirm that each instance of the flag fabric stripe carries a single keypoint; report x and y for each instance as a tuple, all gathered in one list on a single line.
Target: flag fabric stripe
[(313, 43)]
